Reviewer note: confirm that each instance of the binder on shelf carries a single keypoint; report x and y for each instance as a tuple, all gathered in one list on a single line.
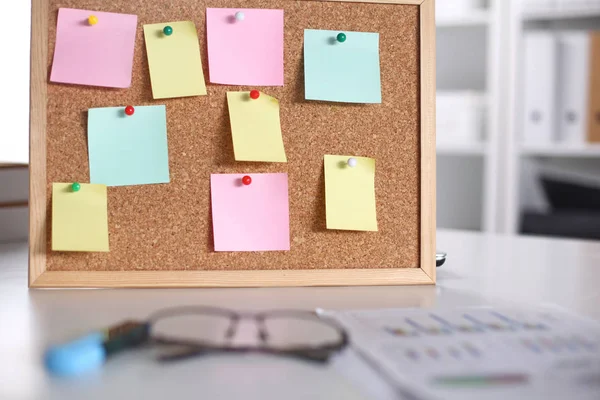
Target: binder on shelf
[(460, 117), (458, 8), (14, 223), (594, 89), (576, 5), (14, 186), (14, 189), (539, 5), (573, 86), (539, 114)]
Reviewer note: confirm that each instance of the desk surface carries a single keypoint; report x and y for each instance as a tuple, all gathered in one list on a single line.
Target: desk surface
[(481, 270)]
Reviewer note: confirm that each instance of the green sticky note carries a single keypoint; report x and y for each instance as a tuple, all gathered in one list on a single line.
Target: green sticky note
[(350, 193), (346, 72), (255, 127), (79, 218), (128, 150)]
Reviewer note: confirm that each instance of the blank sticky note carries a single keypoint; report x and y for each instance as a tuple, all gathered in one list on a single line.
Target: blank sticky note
[(79, 219), (174, 60), (251, 217), (255, 127), (350, 193), (343, 72), (247, 52), (98, 55), (128, 150)]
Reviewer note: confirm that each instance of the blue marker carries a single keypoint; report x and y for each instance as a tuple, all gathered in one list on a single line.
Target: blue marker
[(91, 351), (78, 357)]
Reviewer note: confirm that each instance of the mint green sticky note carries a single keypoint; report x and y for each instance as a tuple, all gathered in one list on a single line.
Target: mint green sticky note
[(128, 150), (346, 72)]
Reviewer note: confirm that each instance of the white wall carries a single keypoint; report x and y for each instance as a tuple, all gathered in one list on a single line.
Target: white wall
[(14, 118), (14, 81)]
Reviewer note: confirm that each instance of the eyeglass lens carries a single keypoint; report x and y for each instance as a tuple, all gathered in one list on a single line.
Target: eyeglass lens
[(273, 331)]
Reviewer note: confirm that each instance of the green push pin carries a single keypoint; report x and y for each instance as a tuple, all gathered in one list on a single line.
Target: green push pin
[(75, 187), (341, 37), (168, 31)]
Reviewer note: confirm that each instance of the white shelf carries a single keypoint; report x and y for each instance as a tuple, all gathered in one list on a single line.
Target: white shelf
[(586, 151), (556, 14), (479, 18), (462, 149)]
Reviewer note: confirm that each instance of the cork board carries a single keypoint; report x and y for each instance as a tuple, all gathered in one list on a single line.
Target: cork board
[(165, 230)]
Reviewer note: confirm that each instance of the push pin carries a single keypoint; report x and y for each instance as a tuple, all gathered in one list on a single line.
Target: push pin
[(92, 20), (75, 187), (129, 110), (341, 37), (352, 162), (168, 31), (239, 16), (246, 180), (254, 94)]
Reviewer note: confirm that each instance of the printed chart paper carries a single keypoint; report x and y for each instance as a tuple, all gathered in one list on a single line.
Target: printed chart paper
[(247, 52), (94, 55), (480, 353), (79, 219), (251, 217), (255, 127), (128, 150), (350, 194), (342, 72), (174, 61)]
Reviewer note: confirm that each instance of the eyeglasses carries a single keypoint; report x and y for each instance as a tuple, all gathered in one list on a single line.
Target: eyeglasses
[(185, 332)]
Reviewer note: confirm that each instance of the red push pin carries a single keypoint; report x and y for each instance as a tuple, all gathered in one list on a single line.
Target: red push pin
[(246, 180), (254, 94), (129, 110)]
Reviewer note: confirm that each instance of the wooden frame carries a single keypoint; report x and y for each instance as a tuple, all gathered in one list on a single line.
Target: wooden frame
[(39, 277)]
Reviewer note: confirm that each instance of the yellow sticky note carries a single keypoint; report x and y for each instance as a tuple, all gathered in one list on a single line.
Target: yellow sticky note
[(350, 193), (174, 60), (79, 219), (255, 127)]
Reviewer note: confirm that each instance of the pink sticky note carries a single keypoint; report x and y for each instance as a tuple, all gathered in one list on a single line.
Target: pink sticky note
[(251, 217), (247, 51), (94, 55)]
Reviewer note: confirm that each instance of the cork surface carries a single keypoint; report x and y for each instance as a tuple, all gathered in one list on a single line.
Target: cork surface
[(168, 227)]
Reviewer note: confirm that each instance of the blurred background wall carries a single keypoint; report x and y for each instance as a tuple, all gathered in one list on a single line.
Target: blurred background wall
[(518, 132), (518, 135), (14, 120)]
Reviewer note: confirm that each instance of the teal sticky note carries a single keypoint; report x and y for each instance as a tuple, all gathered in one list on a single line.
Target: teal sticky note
[(346, 72), (128, 150)]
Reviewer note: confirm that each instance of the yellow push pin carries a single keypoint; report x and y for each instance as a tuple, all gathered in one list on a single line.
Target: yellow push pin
[(92, 20)]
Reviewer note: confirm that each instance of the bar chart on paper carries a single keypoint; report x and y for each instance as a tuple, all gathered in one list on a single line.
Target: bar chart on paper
[(481, 353)]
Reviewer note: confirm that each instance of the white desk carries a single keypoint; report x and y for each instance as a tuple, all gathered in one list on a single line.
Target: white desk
[(481, 270)]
